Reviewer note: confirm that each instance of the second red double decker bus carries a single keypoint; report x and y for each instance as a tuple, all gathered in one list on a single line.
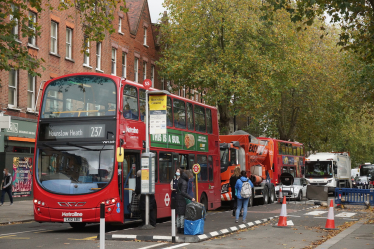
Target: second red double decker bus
[(84, 118)]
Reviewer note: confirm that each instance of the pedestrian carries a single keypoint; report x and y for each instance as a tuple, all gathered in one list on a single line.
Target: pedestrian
[(174, 186), (233, 179), (190, 184), (6, 187), (181, 201), (241, 183), (152, 202)]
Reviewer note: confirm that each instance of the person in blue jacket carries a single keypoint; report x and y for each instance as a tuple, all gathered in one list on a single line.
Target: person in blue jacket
[(242, 202)]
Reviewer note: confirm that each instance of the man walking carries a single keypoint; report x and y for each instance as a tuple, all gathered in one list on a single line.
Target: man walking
[(7, 187)]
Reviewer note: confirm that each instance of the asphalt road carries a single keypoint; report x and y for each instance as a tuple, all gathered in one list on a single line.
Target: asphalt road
[(302, 234)]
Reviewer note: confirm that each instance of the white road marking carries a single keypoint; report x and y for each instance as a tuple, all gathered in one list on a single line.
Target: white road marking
[(22, 232), (292, 215), (159, 244), (316, 213), (224, 231), (213, 233), (345, 215), (289, 223), (176, 246)]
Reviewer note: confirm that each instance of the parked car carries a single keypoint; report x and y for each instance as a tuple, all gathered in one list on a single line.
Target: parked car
[(295, 191)]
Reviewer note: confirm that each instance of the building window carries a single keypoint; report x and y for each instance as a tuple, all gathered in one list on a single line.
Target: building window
[(124, 62), (145, 36), (153, 75), (114, 55), (136, 69), (54, 31), (32, 22), (12, 91), (31, 92), (15, 27), (86, 59), (69, 37), (120, 25), (98, 56), (144, 70)]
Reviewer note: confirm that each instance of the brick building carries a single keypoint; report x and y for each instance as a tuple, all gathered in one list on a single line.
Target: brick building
[(130, 52)]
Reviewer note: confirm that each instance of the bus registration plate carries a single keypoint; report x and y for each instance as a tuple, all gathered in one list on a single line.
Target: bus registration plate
[(72, 219)]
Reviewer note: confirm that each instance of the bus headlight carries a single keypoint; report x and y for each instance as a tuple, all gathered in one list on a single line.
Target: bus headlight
[(225, 188)]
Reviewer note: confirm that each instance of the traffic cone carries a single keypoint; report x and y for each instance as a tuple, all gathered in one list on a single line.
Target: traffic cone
[(280, 195), (283, 215), (330, 223)]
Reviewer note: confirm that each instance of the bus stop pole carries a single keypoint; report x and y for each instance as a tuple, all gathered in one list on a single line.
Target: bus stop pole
[(147, 151), (102, 226)]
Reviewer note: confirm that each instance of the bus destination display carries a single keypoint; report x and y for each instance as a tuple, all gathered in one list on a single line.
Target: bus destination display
[(74, 131)]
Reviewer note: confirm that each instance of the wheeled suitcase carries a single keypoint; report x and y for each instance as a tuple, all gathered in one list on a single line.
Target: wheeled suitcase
[(194, 211)]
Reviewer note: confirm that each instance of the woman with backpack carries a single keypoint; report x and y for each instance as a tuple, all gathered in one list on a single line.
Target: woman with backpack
[(243, 189)]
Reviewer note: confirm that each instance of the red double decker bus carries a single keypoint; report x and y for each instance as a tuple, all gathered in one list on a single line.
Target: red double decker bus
[(288, 158), (84, 118)]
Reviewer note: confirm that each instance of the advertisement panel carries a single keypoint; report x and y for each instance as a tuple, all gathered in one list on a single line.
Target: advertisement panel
[(22, 178)]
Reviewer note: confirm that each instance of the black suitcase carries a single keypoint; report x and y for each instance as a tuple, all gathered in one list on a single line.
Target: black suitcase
[(194, 211)]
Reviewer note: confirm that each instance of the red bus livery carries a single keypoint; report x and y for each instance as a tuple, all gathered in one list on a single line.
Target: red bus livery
[(84, 118)]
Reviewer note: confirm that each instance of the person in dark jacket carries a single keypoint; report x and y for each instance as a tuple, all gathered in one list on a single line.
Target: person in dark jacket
[(7, 187), (233, 180), (181, 201), (152, 202), (174, 186), (242, 202)]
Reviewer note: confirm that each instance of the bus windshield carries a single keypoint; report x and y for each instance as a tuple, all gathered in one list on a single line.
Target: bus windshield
[(318, 169), (79, 96), (75, 169), (367, 170)]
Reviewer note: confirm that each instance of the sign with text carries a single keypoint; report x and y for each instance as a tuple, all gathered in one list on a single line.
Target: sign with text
[(157, 122), (22, 178), (175, 139), (75, 131), (157, 102)]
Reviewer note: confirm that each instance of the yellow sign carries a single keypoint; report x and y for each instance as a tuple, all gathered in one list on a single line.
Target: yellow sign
[(157, 102), (145, 175)]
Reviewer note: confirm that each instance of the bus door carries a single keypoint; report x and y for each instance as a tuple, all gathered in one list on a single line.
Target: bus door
[(130, 166)]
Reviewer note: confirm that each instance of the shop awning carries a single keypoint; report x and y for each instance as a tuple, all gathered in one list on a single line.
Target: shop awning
[(21, 139)]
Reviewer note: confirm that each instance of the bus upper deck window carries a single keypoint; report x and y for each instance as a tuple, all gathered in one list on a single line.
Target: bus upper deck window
[(209, 126), (190, 122), (142, 104), (199, 113), (169, 113), (130, 102), (179, 114)]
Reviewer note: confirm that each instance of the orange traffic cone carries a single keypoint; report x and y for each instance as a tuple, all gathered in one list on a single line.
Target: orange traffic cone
[(280, 195), (283, 215), (330, 223)]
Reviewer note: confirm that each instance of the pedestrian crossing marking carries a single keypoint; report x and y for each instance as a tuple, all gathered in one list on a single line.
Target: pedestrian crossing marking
[(345, 215), (316, 213)]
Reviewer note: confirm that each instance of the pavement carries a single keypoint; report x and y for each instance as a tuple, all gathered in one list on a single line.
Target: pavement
[(261, 224)]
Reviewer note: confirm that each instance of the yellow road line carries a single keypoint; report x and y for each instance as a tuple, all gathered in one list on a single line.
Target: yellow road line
[(88, 238)]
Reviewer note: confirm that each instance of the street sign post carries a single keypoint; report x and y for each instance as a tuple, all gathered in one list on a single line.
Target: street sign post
[(196, 170)]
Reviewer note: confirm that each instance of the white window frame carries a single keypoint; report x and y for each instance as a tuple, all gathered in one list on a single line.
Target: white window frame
[(153, 75), (31, 91), (15, 28), (114, 61), (136, 67), (98, 56), (32, 17), (54, 38), (15, 87), (86, 58), (145, 36), (120, 25), (69, 43), (124, 64), (144, 70)]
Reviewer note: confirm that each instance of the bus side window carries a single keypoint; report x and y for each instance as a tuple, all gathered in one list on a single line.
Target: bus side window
[(209, 126), (183, 161), (191, 161), (202, 160), (199, 113), (169, 113), (179, 114), (165, 167), (298, 151), (130, 102), (190, 122), (142, 104), (279, 148), (210, 168)]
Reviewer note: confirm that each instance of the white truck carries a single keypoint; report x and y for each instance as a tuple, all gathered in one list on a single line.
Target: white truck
[(330, 169)]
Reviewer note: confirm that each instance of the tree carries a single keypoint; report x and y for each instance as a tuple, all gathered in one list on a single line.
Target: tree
[(355, 17), (96, 16)]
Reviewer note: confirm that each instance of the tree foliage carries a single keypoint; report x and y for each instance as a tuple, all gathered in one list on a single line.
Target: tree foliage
[(96, 17)]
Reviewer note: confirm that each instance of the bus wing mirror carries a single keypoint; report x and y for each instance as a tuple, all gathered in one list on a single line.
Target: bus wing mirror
[(120, 155)]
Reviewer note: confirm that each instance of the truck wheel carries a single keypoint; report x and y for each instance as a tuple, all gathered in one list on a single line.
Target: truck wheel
[(77, 225), (272, 194), (250, 202), (265, 196)]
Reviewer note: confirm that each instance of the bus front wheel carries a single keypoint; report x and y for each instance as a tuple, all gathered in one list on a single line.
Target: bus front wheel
[(77, 225)]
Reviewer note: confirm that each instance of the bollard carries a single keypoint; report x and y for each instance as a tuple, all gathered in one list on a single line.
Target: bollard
[(173, 225), (102, 226)]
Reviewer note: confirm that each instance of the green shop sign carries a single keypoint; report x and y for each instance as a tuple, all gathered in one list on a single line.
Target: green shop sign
[(181, 140)]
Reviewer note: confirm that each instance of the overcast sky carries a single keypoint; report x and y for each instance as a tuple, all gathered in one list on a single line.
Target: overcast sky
[(155, 8)]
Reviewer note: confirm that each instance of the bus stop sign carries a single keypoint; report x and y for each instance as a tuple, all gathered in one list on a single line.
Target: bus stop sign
[(147, 83), (196, 168)]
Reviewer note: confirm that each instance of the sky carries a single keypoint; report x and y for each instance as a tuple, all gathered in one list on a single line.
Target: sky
[(155, 8)]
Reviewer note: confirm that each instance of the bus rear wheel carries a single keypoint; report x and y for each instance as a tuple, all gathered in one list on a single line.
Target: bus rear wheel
[(204, 201), (77, 225)]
